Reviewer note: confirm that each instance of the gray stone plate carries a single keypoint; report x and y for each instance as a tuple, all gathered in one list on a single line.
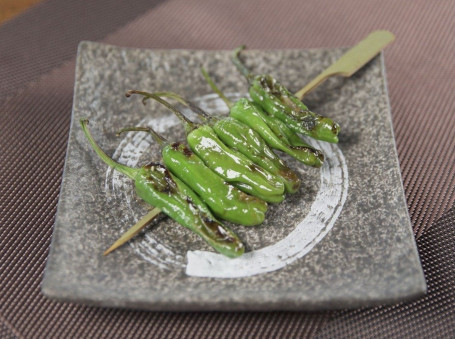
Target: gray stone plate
[(344, 240)]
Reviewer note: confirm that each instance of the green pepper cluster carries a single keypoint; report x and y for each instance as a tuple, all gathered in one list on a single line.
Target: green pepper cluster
[(280, 103), (228, 170)]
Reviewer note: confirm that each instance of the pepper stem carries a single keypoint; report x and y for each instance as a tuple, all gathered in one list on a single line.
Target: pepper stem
[(134, 230), (157, 137), (171, 95), (215, 88), (196, 109), (187, 123), (239, 64), (128, 171)]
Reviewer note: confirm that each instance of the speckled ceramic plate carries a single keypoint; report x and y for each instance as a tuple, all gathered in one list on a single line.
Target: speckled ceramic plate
[(343, 240)]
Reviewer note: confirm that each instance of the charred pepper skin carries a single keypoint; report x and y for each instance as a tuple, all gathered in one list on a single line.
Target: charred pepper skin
[(275, 132), (158, 187), (277, 101), (253, 116), (232, 166), (179, 202), (247, 141), (280, 103), (283, 132), (244, 139), (225, 201)]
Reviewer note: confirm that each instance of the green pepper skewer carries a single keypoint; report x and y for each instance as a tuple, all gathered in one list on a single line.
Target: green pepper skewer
[(241, 137), (229, 164), (283, 132), (273, 131), (225, 201), (277, 101), (159, 188), (251, 114)]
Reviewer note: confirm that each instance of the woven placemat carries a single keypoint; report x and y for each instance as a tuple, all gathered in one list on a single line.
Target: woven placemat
[(37, 71), (431, 316)]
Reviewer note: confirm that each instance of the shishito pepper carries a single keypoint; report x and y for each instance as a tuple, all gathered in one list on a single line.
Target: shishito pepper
[(276, 134), (225, 201), (283, 132), (252, 115), (158, 187), (247, 141), (277, 101), (241, 137), (229, 164)]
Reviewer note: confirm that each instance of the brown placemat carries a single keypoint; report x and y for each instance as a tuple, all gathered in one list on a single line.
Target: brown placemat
[(37, 72)]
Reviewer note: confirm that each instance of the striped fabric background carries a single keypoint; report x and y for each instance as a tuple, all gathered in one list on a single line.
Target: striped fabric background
[(37, 51)]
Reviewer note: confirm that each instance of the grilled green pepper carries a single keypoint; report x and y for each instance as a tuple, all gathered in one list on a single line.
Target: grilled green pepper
[(277, 101), (249, 113), (158, 187), (234, 167), (225, 201), (231, 165), (247, 141), (283, 132), (276, 134), (241, 137)]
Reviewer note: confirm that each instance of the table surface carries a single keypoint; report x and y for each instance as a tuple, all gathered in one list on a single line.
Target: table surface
[(37, 58), (11, 8)]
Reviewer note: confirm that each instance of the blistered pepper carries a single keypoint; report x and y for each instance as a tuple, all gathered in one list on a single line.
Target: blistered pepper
[(159, 188), (247, 141), (229, 164), (225, 201), (283, 132), (249, 113), (277, 101), (276, 134)]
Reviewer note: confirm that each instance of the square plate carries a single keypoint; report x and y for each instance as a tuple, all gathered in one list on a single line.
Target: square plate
[(343, 240)]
